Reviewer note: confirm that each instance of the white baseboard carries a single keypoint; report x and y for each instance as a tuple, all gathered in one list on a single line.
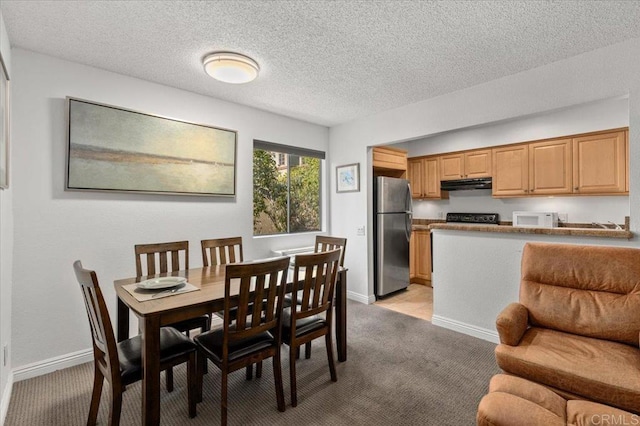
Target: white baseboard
[(461, 327), (6, 397), (52, 364), (367, 300)]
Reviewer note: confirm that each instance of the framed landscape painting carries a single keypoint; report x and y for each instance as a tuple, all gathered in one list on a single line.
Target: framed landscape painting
[(116, 149)]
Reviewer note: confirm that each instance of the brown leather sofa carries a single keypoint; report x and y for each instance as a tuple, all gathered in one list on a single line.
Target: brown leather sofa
[(513, 401), (576, 328)]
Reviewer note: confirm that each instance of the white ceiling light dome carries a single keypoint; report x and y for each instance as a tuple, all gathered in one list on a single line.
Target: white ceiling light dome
[(230, 67)]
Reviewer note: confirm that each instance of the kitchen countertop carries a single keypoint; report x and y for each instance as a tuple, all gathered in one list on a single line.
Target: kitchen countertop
[(508, 229)]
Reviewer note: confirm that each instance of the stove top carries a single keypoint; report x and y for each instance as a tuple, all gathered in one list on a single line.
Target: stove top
[(474, 218)]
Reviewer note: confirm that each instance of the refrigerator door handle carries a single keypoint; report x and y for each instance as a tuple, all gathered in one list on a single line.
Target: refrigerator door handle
[(408, 218), (409, 211)]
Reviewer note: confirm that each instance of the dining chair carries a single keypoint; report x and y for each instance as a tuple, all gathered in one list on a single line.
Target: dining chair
[(160, 258), (316, 275), (121, 363), (323, 243), (256, 333), (221, 251)]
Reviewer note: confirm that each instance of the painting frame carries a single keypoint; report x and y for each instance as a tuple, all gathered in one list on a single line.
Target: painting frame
[(5, 122), (348, 178), (116, 149)]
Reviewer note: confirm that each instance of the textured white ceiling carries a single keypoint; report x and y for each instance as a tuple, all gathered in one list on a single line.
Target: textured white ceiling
[(326, 62)]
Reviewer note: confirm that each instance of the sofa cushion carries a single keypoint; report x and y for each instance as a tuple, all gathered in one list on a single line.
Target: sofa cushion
[(600, 370), (586, 290)]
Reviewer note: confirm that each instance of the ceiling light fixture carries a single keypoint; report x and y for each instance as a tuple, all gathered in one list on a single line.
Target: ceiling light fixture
[(231, 67)]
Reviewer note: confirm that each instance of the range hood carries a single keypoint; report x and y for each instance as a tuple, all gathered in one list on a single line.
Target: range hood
[(459, 184)]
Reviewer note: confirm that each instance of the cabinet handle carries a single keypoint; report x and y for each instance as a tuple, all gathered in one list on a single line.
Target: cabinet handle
[(526, 190), (576, 188), (532, 190)]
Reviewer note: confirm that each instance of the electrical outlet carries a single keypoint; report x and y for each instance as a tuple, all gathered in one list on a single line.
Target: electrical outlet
[(360, 230), (440, 215)]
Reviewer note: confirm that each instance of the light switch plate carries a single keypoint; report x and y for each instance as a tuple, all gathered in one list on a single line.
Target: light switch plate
[(360, 230)]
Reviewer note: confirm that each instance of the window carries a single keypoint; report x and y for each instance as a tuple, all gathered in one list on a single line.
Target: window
[(286, 189)]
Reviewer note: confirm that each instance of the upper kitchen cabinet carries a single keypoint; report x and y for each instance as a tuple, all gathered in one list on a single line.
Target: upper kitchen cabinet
[(510, 171), (424, 177), (388, 161), (536, 168), (550, 167), (600, 163), (466, 165), (594, 163)]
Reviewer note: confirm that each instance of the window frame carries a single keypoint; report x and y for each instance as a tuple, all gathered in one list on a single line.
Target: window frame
[(289, 150)]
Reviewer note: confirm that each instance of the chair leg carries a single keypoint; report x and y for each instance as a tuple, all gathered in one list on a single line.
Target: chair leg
[(249, 371), (169, 377), (292, 374), (307, 350), (277, 378), (332, 365), (297, 353), (192, 383), (223, 399), (116, 406), (98, 381), (259, 369), (201, 361)]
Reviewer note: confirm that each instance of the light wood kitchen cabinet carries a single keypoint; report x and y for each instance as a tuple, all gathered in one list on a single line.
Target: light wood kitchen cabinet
[(424, 177), (600, 163), (466, 165), (537, 168), (550, 167), (415, 173), (510, 171), (385, 157), (420, 256)]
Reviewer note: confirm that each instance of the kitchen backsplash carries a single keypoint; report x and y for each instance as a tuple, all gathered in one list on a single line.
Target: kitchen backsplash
[(578, 210)]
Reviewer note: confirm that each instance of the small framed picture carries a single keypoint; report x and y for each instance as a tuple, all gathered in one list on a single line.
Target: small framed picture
[(348, 178)]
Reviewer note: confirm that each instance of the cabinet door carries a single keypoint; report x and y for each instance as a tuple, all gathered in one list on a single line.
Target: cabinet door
[(416, 172), (423, 250), (389, 158), (452, 166), (510, 171), (550, 167), (599, 163), (477, 164), (431, 183)]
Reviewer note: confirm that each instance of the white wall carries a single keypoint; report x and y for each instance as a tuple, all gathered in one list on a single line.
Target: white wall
[(601, 74), (53, 227), (600, 115), (6, 243)]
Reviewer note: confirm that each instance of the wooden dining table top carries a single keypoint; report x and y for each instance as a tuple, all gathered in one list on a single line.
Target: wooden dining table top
[(209, 280)]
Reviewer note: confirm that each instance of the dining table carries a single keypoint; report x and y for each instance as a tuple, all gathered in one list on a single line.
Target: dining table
[(208, 297)]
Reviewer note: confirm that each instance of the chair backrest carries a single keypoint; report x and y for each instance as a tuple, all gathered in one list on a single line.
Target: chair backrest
[(105, 352), (325, 243), (221, 251), (262, 281), (157, 257), (317, 274), (586, 290)]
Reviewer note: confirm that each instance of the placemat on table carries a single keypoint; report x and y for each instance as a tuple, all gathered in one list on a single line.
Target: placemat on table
[(144, 295)]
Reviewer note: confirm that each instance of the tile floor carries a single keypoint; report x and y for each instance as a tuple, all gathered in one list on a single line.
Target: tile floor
[(416, 301)]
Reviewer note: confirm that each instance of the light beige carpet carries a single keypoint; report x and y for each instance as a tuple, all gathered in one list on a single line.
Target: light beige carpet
[(400, 371)]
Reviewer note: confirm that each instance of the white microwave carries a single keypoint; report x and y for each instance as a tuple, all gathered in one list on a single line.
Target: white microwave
[(535, 219)]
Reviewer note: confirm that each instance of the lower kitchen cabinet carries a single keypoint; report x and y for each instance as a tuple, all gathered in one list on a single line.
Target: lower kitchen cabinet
[(420, 257)]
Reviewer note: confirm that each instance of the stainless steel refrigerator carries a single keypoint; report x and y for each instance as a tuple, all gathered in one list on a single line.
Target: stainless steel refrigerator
[(392, 227)]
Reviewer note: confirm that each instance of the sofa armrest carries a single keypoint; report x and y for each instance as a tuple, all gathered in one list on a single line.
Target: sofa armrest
[(511, 323)]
